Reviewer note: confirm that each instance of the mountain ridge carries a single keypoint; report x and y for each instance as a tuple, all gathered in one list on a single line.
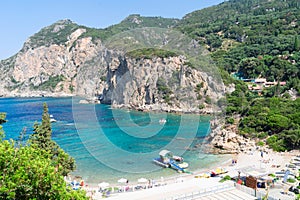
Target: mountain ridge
[(221, 33)]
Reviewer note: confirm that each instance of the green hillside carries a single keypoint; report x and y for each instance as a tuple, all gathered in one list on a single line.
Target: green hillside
[(251, 37), (255, 39)]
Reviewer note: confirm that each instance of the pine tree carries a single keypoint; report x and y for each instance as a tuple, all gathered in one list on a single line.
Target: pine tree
[(2, 118), (2, 121), (41, 138)]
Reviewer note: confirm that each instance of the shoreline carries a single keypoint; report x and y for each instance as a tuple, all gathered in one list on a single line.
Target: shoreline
[(242, 161), (155, 108), (186, 184), (225, 159)]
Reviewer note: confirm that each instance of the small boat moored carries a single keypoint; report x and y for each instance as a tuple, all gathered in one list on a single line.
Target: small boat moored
[(168, 160), (52, 120)]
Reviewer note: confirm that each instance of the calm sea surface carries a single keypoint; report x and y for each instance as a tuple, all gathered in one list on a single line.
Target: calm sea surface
[(109, 144)]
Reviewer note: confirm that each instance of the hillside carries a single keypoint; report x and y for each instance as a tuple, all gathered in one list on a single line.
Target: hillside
[(171, 63), (255, 40), (68, 59)]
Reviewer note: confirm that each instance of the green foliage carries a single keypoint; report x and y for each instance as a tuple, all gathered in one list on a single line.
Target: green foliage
[(201, 106), (2, 120), (56, 33), (50, 84), (291, 180), (199, 86), (27, 173), (296, 44), (275, 143), (164, 89), (71, 88), (149, 53), (260, 143), (103, 78), (41, 139), (2, 117), (225, 178), (230, 120), (208, 100), (272, 175), (131, 22), (278, 117), (238, 100), (265, 35)]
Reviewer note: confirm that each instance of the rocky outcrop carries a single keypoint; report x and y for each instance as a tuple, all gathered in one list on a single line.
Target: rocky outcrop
[(164, 84), (225, 140), (84, 66)]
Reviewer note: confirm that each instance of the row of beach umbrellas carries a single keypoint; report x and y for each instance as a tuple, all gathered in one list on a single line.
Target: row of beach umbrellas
[(122, 180)]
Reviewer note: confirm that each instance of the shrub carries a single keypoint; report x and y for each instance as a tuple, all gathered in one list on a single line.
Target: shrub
[(230, 120), (291, 180), (260, 143), (225, 178)]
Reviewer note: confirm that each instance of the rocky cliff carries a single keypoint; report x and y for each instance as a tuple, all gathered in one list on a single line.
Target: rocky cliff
[(62, 59)]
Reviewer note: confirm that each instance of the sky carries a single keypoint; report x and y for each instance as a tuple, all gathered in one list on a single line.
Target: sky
[(19, 19)]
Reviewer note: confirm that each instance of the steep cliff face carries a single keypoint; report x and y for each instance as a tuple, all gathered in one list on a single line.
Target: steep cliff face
[(77, 64), (166, 84)]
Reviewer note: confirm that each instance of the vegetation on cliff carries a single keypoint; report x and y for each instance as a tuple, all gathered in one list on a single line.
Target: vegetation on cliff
[(148, 53), (255, 39), (35, 171)]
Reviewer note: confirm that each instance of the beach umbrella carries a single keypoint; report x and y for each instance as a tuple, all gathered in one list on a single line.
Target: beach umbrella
[(103, 185), (142, 180), (122, 180)]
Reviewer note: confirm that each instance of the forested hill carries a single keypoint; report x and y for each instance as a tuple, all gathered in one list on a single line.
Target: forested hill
[(256, 39), (252, 37)]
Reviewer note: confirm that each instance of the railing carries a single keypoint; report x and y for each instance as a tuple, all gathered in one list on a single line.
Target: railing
[(253, 192), (203, 192)]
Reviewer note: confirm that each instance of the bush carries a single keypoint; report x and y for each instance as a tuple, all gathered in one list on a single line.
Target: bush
[(291, 180), (260, 143), (225, 178), (230, 120)]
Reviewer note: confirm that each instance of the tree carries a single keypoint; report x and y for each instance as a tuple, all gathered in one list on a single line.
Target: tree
[(41, 139), (27, 173), (296, 44), (2, 118), (292, 138)]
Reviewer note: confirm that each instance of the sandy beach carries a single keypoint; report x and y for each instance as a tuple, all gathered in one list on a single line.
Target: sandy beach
[(184, 184)]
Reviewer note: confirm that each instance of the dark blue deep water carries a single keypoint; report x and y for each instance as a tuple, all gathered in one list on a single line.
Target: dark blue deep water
[(108, 144)]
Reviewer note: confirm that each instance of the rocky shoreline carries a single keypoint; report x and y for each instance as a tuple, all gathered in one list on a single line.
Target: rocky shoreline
[(223, 139)]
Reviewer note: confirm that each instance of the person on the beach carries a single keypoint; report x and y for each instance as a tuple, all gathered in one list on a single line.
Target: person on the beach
[(262, 154)]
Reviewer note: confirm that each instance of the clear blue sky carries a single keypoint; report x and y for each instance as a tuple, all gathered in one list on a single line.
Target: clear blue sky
[(20, 19)]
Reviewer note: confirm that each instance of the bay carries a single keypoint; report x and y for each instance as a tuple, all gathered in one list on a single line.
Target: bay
[(107, 143)]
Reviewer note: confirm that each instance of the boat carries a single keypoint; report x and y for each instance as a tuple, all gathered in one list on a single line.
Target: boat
[(178, 158), (168, 160), (52, 120), (162, 121), (159, 162), (164, 158)]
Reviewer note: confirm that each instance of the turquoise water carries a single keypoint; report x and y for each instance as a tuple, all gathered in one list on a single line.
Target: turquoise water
[(108, 144)]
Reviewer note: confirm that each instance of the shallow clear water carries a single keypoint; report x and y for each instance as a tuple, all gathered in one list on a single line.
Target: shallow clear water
[(108, 144)]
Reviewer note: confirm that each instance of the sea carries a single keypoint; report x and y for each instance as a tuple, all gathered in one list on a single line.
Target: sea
[(108, 144)]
